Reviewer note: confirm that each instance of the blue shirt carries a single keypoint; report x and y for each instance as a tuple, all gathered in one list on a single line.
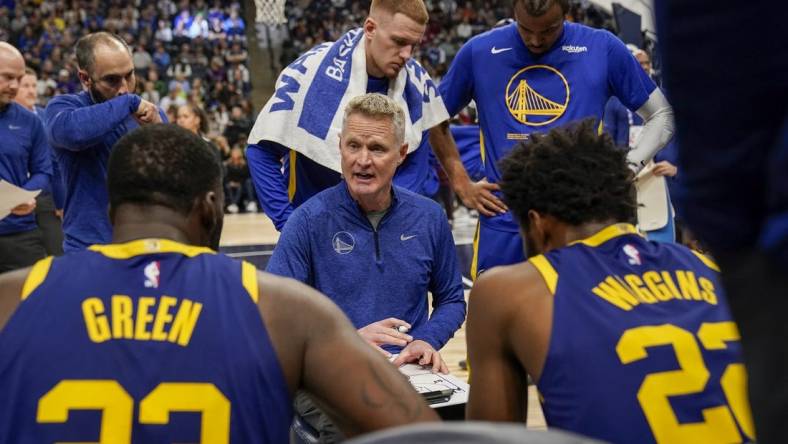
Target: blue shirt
[(518, 93), (641, 337), (24, 159), (82, 133), (373, 274), (154, 327), (617, 121), (56, 187), (467, 138)]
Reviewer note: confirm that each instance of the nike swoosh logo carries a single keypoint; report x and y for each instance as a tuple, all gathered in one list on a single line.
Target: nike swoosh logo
[(495, 50), (14, 127), (404, 238)]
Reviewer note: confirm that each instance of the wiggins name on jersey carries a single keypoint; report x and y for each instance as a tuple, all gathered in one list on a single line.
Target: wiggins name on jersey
[(643, 347), (151, 341)]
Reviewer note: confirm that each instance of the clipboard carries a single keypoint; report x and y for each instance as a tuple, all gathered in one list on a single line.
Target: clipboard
[(439, 390)]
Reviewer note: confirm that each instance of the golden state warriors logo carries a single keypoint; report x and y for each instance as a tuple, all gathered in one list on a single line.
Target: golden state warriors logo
[(343, 242), (537, 95)]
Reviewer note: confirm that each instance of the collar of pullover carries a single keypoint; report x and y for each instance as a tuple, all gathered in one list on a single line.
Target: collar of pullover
[(348, 198)]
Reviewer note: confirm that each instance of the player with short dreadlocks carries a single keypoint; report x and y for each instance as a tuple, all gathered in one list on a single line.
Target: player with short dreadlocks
[(608, 324)]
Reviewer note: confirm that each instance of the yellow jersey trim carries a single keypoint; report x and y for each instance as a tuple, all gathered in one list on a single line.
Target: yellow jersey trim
[(36, 276), (475, 260), (606, 234), (547, 271), (249, 280), (481, 145), (291, 186), (706, 260), (148, 246)]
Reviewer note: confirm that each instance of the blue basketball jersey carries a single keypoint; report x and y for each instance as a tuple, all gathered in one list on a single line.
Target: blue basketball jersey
[(518, 93), (151, 341), (643, 347)]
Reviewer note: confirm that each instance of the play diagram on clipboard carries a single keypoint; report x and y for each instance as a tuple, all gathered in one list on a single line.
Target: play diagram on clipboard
[(438, 389)]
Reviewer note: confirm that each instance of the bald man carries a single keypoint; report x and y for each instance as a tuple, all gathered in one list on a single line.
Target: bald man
[(82, 129), (24, 162)]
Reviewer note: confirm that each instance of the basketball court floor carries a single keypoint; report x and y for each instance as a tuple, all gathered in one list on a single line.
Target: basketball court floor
[(252, 237)]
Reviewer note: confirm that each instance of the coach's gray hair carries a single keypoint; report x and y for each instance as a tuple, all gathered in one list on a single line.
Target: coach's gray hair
[(378, 106)]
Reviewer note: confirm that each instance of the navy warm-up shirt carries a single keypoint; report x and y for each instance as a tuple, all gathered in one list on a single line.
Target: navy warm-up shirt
[(24, 159), (376, 273), (82, 133)]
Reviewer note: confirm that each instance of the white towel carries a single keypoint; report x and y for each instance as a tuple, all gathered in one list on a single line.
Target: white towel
[(306, 111)]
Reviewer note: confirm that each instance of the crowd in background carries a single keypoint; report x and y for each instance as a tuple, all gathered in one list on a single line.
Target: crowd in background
[(187, 54), (191, 57), (452, 23)]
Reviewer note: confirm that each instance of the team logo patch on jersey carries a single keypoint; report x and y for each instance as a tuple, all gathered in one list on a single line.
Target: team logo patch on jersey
[(343, 242), (633, 254), (152, 272), (537, 95)]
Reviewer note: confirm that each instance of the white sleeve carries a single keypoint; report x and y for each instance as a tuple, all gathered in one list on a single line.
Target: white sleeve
[(657, 130)]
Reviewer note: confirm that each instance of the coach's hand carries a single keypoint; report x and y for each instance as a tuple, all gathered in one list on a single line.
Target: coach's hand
[(385, 332), (423, 353), (665, 168), (147, 113), (24, 209), (479, 195)]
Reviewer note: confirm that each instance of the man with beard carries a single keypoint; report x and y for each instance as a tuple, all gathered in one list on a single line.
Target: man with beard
[(83, 127), (538, 73), (157, 323)]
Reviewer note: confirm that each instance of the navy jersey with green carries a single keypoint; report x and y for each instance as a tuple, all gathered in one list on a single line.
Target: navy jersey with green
[(24, 159), (643, 347), (150, 339), (518, 93)]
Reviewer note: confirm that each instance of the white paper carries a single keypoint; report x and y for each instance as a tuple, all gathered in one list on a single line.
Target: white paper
[(12, 196), (423, 380), (652, 199)]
